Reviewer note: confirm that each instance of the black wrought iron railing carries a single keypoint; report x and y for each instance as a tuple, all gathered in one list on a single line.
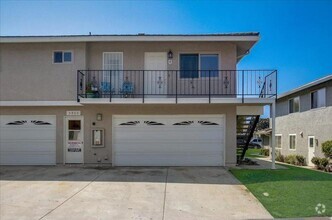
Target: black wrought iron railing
[(176, 84)]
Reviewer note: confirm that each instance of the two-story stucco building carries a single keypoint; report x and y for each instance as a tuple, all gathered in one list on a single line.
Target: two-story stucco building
[(152, 100), (304, 119)]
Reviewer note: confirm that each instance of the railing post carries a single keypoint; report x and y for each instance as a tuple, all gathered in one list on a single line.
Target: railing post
[(176, 87), (276, 91), (78, 90), (242, 86), (209, 86), (110, 85), (143, 100)]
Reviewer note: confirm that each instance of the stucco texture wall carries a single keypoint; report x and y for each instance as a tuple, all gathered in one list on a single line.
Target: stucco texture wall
[(27, 72), (89, 112), (316, 122)]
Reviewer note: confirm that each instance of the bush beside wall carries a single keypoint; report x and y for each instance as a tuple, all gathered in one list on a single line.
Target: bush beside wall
[(298, 160)]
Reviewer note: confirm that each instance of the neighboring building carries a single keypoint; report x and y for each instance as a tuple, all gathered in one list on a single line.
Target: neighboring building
[(129, 100), (304, 119)]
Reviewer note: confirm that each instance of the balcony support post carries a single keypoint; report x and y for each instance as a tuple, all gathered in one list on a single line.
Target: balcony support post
[(273, 140)]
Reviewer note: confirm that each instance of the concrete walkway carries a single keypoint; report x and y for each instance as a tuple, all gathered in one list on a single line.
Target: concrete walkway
[(125, 193)]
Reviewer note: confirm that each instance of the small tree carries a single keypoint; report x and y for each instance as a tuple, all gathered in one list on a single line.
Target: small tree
[(327, 149)]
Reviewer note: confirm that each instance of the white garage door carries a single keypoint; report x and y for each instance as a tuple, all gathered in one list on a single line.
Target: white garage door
[(169, 140), (27, 139)]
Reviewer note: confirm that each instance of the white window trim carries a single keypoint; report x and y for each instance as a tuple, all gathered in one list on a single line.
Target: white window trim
[(199, 62), (63, 57), (311, 108), (311, 136), (289, 142), (299, 105), (118, 52), (279, 135)]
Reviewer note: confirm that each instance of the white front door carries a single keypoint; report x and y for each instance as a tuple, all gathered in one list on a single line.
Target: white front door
[(113, 63), (155, 75), (168, 140), (74, 139), (311, 149)]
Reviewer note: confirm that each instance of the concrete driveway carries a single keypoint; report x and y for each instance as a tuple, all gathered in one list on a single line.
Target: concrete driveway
[(124, 193)]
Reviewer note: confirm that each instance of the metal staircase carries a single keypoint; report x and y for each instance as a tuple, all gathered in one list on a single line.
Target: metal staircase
[(245, 128)]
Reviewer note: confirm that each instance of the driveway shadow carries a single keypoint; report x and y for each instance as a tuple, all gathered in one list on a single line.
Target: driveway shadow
[(194, 175)]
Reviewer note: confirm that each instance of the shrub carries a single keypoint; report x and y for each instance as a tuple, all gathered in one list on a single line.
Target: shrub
[(323, 162), (280, 158), (320, 163), (316, 161), (291, 159), (327, 148), (300, 160), (265, 152)]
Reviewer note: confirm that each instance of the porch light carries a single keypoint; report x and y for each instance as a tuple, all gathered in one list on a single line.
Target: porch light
[(99, 117), (170, 54)]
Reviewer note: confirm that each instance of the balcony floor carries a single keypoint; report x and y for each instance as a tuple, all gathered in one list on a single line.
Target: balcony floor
[(166, 100)]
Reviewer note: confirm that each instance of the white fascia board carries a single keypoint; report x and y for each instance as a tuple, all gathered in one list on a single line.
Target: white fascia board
[(38, 103), (306, 86), (123, 38)]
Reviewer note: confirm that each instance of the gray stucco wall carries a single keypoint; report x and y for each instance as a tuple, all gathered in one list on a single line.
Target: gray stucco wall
[(315, 122), (305, 99)]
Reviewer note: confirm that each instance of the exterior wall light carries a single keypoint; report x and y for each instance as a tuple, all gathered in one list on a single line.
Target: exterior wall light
[(99, 116), (170, 54)]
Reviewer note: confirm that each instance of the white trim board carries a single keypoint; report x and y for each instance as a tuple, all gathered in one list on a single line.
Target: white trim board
[(117, 38), (39, 103)]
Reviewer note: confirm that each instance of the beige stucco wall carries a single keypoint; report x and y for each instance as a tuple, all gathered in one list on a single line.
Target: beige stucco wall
[(133, 52), (315, 122), (89, 112), (27, 72)]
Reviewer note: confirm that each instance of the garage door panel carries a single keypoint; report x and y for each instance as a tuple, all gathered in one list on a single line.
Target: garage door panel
[(197, 134), (36, 146), (165, 147), (27, 139), (27, 134), (26, 158), (168, 160), (199, 141)]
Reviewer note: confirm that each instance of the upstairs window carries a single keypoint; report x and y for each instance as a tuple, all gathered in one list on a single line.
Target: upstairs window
[(189, 66), (318, 98), (62, 56), (199, 65), (294, 105)]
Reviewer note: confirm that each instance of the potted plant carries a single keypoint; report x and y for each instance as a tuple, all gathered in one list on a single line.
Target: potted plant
[(88, 91)]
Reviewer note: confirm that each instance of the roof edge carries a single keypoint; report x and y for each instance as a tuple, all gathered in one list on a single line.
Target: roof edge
[(306, 86), (245, 36)]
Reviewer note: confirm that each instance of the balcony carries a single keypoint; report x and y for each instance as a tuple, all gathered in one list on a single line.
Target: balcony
[(175, 86)]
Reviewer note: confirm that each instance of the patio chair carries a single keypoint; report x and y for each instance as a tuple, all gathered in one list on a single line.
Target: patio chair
[(127, 89), (105, 88)]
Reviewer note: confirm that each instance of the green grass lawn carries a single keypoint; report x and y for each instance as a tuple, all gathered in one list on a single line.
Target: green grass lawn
[(253, 153), (292, 192)]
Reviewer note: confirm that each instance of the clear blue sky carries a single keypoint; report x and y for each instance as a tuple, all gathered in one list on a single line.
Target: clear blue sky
[(296, 36)]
